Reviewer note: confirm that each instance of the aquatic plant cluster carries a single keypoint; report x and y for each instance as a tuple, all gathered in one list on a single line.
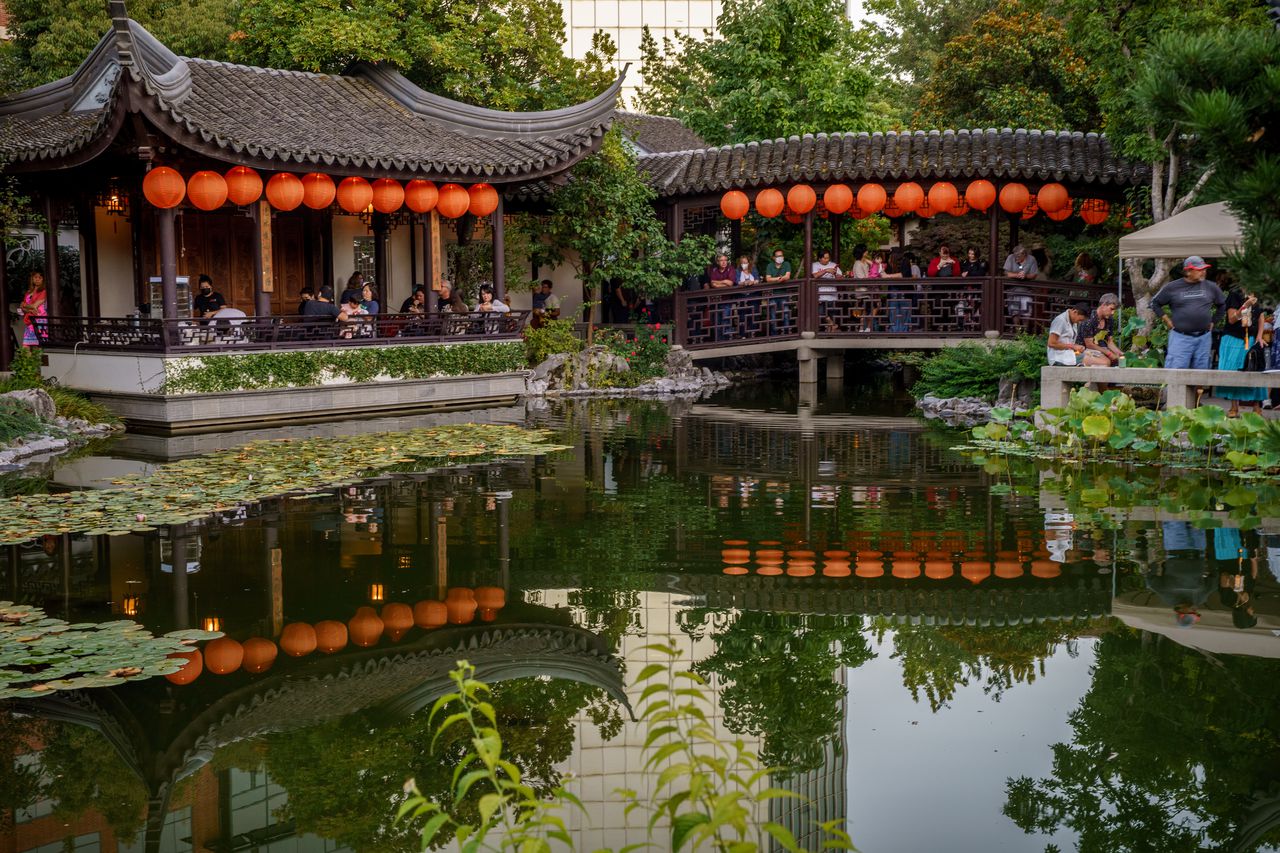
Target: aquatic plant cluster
[(184, 491), (40, 655), (1110, 426)]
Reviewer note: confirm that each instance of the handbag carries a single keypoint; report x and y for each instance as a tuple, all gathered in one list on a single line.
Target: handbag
[(1255, 358)]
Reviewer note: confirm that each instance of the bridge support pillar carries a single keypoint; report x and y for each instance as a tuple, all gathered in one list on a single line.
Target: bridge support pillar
[(835, 365), (808, 361)]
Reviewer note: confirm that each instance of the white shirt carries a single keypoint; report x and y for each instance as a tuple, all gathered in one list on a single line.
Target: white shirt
[(818, 266), (861, 269), (1066, 332)]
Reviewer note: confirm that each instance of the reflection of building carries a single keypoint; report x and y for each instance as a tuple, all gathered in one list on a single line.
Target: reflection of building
[(824, 790)]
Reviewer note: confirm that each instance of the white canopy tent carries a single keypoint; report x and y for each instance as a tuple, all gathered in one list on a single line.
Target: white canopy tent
[(1208, 230)]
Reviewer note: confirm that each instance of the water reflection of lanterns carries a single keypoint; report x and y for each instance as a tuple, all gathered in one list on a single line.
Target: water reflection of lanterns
[(223, 656), (836, 555), (491, 597), (461, 607), (975, 571), (1008, 569), (735, 555), (769, 555), (800, 568), (406, 561), (736, 543), (869, 569), (331, 636), (131, 605), (770, 570), (906, 569), (938, 569), (212, 623), (298, 639), (365, 627), (259, 655), (430, 614), (837, 569), (398, 619), (190, 670), (736, 570), (1045, 569), (377, 592)]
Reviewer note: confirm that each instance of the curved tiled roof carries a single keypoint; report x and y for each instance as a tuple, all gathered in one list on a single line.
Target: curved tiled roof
[(654, 134), (1028, 155), (371, 119)]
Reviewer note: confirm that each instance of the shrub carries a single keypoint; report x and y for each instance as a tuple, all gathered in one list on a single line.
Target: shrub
[(975, 370), (16, 420), (26, 368), (73, 404), (645, 350), (554, 336)]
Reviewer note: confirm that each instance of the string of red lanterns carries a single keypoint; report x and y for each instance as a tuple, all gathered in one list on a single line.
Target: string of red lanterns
[(164, 187), (1053, 200)]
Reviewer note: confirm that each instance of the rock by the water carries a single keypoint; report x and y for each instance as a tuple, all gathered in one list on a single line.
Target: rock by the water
[(35, 399), (599, 372)]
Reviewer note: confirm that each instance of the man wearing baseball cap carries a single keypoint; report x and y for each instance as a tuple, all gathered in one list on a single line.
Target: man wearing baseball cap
[(1194, 304)]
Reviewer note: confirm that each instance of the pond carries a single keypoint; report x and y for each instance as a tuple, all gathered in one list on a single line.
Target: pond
[(946, 652)]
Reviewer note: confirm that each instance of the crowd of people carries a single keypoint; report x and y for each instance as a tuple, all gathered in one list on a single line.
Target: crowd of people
[(1197, 314)]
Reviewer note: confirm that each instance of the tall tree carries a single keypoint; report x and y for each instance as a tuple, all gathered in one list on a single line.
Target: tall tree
[(1016, 67), (776, 68)]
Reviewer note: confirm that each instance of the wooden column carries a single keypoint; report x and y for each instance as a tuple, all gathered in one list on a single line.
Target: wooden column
[(433, 252), (167, 241), (310, 251), (808, 307), (835, 238), (53, 288), (499, 252), (992, 306), (6, 340), (263, 271), (136, 213), (428, 268), (413, 254), (326, 249), (380, 266), (89, 260)]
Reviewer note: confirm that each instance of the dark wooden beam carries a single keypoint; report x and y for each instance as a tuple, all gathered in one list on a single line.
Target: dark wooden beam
[(167, 240), (89, 258), (52, 283), (499, 253), (6, 333), (263, 259)]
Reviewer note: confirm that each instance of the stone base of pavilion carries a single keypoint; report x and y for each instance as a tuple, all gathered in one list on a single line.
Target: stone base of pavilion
[(130, 386)]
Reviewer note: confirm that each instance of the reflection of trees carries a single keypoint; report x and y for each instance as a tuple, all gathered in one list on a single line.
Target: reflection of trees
[(343, 776), (77, 770), (936, 660), (777, 680), (1173, 750)]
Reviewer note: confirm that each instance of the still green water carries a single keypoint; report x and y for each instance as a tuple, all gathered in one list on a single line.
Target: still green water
[(946, 653)]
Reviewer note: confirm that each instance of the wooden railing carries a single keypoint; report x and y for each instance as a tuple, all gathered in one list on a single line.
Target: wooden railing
[(153, 335), (831, 308)]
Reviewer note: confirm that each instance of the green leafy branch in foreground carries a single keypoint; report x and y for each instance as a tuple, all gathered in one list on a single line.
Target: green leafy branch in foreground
[(1111, 427), (705, 790), (189, 489)]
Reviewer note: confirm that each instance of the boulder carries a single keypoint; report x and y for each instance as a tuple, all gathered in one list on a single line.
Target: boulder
[(552, 363), (35, 399)]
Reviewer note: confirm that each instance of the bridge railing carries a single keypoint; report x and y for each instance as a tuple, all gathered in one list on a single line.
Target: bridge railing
[(898, 308)]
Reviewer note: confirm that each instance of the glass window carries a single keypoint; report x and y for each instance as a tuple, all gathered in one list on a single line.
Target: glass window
[(364, 262), (44, 806), (88, 843)]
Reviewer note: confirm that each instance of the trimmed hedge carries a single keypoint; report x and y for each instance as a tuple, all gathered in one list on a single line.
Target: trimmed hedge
[(306, 368)]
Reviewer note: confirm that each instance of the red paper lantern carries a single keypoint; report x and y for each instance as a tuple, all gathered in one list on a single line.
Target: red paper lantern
[(366, 628), (1063, 214), (925, 210), (1095, 211), (430, 614), (856, 211), (1052, 198), (190, 670), (421, 196), (838, 198), (318, 191), (801, 198), (981, 194), (960, 208), (1014, 198), (259, 654), (223, 656), (398, 618), (891, 209), (769, 203), (734, 204), (943, 196), (298, 639), (244, 186), (207, 190), (484, 200), (284, 191), (388, 195), (354, 195), (164, 187), (1032, 208), (331, 636), (908, 197), (871, 198), (454, 201), (793, 217)]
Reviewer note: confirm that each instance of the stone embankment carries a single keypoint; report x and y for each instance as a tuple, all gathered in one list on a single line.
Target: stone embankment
[(57, 434), (597, 372)]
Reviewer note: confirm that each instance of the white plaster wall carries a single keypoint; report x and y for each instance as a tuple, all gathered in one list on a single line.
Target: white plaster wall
[(115, 265), (400, 276), (99, 371), (345, 230)]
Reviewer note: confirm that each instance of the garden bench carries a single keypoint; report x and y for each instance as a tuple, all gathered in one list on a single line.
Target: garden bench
[(1181, 385)]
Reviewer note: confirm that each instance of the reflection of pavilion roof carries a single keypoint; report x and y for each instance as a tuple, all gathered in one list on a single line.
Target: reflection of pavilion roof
[(397, 681), (371, 119), (988, 604)]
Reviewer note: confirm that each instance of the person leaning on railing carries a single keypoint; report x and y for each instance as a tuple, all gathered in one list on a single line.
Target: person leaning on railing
[(825, 268), (320, 309), (721, 276), (1194, 305)]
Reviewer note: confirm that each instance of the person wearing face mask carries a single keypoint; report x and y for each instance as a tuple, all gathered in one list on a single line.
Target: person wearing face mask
[(208, 300), (779, 269), (746, 273)]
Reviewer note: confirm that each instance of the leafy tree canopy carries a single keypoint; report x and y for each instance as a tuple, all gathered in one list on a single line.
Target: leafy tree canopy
[(1016, 68), (776, 68)]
